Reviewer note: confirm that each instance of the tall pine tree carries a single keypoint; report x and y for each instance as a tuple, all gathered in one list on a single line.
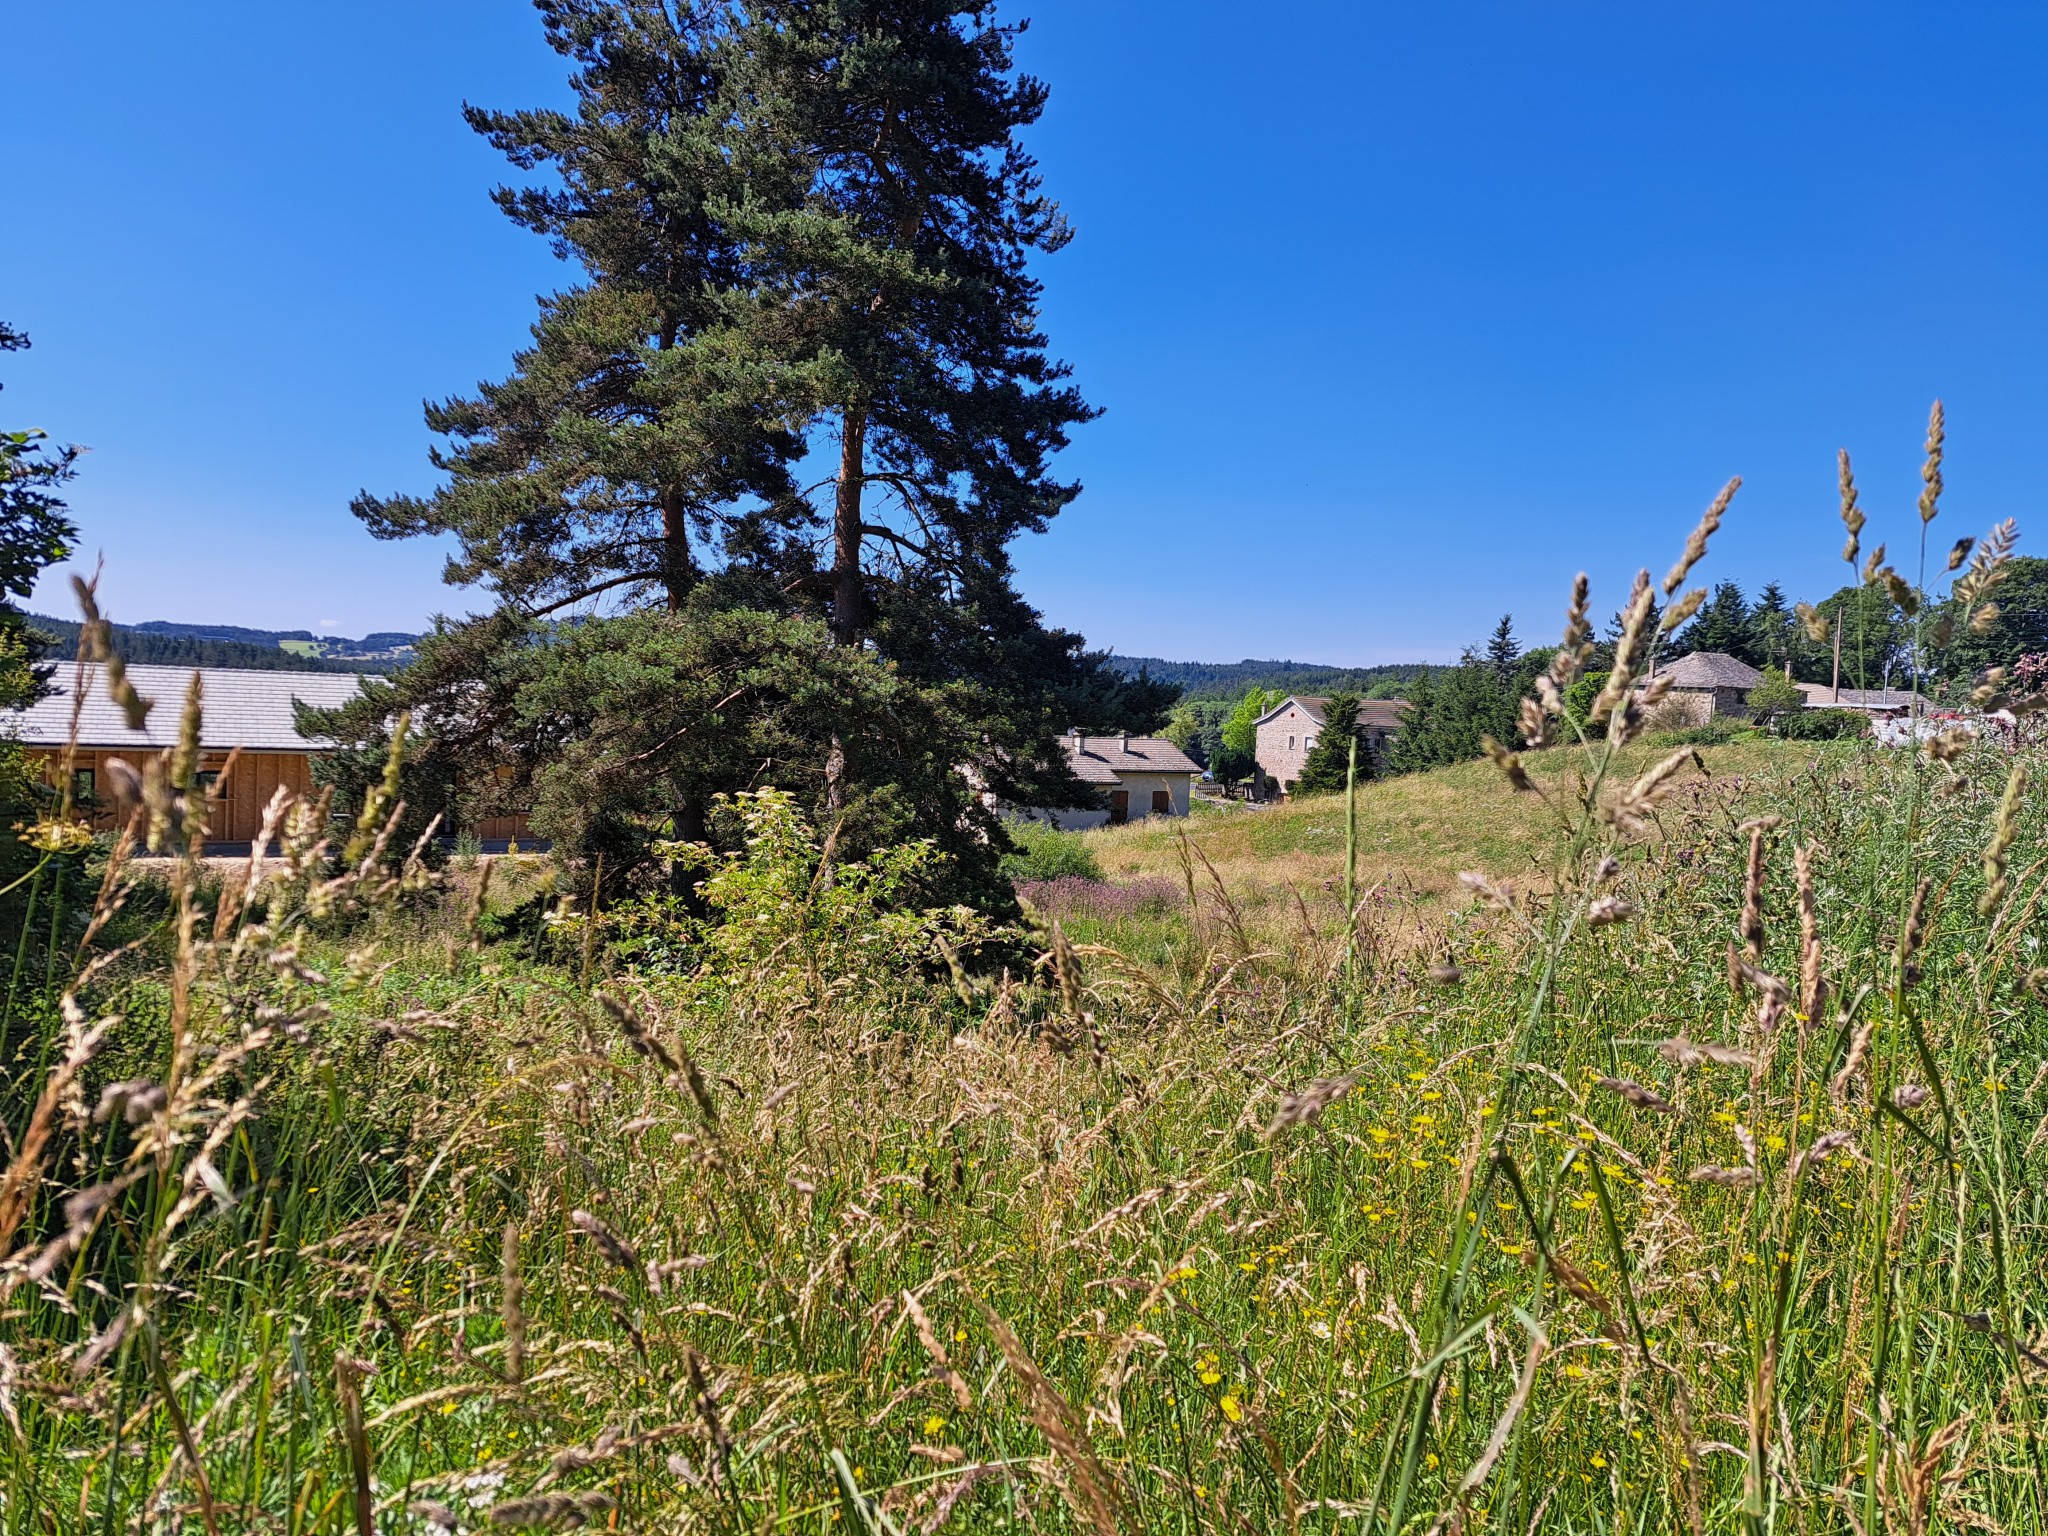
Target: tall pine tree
[(1725, 625), (803, 230)]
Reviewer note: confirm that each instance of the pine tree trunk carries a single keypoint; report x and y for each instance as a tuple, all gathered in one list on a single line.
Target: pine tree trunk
[(846, 583), (675, 549)]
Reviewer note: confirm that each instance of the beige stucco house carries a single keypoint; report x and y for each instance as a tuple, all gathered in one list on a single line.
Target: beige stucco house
[(1286, 733), (1138, 775)]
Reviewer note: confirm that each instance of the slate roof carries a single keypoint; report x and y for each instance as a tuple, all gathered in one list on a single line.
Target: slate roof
[(243, 708), (1822, 696), (1710, 669), (1106, 759), (1379, 714)]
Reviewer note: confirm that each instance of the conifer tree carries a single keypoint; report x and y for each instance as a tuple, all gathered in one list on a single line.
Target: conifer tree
[(1327, 767), (1774, 629), (35, 533), (1502, 650), (796, 224), (1725, 625)]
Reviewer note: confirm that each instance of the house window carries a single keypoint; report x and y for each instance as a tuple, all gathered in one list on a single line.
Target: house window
[(1162, 802), (210, 784), (84, 787), (1290, 743), (1309, 742), (1119, 807)]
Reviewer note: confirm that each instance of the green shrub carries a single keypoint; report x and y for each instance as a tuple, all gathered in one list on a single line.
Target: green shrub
[(1823, 725), (1047, 853)]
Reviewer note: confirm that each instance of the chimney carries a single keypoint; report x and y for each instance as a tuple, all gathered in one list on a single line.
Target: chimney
[(1123, 741), (1079, 739)]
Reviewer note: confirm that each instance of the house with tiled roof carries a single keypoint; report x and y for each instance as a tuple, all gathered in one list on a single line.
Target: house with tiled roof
[(1704, 684), (1285, 734), (1136, 776)]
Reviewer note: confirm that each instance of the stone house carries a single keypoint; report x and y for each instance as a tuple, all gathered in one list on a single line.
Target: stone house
[(1704, 684), (1138, 775), (1286, 733)]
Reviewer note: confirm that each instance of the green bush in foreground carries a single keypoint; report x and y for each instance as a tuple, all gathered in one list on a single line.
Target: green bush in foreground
[(1047, 853)]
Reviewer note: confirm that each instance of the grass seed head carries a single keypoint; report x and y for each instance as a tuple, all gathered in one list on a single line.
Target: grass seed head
[(1635, 1093), (1852, 514), (1696, 542), (1930, 472)]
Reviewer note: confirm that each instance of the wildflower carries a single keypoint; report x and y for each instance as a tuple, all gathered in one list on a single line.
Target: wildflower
[(934, 1425), (1232, 1410), (1575, 1371), (1597, 1460)]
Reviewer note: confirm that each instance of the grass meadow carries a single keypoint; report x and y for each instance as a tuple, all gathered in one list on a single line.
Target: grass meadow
[(1679, 1171)]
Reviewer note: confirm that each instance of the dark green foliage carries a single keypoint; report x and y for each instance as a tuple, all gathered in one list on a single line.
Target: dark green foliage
[(356, 765), (1449, 713), (1328, 765), (1775, 632), (801, 229), (35, 531), (1726, 624), (2020, 629), (1502, 649), (1876, 641), (1196, 727), (1823, 724), (1226, 681), (144, 647)]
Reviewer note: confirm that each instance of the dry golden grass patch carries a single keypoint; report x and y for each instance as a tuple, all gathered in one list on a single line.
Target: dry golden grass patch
[(1418, 831)]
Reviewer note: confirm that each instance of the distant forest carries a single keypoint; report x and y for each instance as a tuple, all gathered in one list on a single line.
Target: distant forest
[(1229, 679), (151, 647)]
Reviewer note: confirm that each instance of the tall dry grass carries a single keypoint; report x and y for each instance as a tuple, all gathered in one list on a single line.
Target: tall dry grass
[(1695, 1185)]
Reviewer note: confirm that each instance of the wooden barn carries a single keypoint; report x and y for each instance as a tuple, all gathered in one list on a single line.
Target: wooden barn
[(248, 709)]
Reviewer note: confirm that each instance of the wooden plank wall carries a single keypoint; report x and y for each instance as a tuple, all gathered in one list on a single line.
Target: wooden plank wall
[(238, 801)]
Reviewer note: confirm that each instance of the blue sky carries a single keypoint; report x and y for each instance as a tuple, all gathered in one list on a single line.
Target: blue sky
[(1400, 315)]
